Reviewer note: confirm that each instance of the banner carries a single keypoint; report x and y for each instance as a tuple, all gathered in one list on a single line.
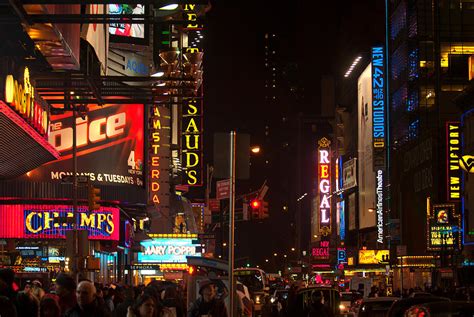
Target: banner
[(349, 174), (109, 146), (52, 222), (366, 177), (374, 256)]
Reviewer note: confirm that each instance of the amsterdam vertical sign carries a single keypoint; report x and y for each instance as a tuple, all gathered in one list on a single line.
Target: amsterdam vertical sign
[(379, 134), (159, 157)]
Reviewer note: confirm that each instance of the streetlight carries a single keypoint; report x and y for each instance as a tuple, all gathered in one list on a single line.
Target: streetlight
[(266, 260), (255, 149), (275, 254), (293, 249)]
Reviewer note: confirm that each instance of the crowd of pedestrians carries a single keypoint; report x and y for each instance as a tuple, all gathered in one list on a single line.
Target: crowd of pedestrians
[(65, 298)]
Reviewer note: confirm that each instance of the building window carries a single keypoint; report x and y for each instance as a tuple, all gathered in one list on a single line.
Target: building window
[(413, 130)]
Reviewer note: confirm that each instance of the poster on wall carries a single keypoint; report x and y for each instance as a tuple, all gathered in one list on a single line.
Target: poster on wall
[(366, 177), (105, 134)]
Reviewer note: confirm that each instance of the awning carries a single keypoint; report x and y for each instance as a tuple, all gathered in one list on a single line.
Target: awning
[(22, 148)]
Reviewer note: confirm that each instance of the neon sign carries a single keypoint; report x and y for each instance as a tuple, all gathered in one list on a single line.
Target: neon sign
[(22, 99), (324, 180), (155, 144), (453, 155), (378, 107), (321, 252), (192, 142), (167, 250), (52, 221)]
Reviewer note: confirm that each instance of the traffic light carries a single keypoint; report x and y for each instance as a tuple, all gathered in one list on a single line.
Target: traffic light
[(255, 204), (264, 210), (93, 198)]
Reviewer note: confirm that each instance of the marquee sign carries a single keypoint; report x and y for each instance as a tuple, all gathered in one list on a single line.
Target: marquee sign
[(192, 142), (52, 221), (378, 107), (168, 250), (324, 189), (21, 96), (321, 252), (453, 155), (443, 228)]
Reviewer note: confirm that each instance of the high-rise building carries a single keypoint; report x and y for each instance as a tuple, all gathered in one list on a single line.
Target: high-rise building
[(430, 48)]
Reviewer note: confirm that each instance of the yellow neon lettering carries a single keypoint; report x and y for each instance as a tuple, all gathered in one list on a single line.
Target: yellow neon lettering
[(28, 222), (192, 124)]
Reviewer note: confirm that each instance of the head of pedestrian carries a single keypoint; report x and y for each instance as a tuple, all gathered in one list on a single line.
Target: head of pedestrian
[(207, 289), (65, 285), (85, 293), (317, 297), (145, 306)]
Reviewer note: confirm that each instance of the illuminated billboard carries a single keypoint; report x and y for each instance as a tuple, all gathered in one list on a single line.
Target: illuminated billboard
[(378, 107), (443, 228), (321, 252), (366, 176), (111, 133), (374, 256), (168, 250), (52, 222), (324, 186), (123, 29), (192, 144), (453, 156)]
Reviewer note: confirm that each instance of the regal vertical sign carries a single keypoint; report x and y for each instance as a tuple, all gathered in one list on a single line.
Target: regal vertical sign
[(192, 141), (324, 189), (379, 134), (453, 154)]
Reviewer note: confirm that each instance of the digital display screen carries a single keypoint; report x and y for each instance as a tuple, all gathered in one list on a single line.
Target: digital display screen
[(127, 29)]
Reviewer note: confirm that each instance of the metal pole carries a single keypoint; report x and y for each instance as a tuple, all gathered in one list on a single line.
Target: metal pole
[(231, 220), (74, 195)]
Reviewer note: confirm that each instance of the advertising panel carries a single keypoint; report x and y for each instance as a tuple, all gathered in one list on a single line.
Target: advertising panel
[(378, 108), (453, 155), (443, 227), (349, 174), (324, 186), (108, 133), (374, 256), (52, 222), (192, 144), (352, 211), (321, 252), (366, 177), (127, 30), (168, 250)]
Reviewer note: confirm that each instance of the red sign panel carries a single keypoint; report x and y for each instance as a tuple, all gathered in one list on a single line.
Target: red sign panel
[(52, 222), (214, 204), (321, 252), (112, 133), (223, 189)]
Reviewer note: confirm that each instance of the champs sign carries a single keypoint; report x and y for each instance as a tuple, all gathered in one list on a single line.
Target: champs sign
[(324, 189), (192, 142)]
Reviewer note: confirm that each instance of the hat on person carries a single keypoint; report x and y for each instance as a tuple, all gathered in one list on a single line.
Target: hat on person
[(205, 283), (66, 281)]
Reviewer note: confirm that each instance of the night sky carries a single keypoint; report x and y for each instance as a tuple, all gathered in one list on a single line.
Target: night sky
[(322, 39)]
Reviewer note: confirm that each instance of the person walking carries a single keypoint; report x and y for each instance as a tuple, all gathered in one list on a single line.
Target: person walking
[(65, 288), (207, 304), (87, 304)]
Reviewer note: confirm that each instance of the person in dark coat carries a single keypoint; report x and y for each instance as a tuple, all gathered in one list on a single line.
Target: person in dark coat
[(207, 303), (317, 308), (65, 288), (87, 304)]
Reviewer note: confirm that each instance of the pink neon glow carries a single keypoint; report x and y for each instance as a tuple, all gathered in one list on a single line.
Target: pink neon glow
[(15, 222)]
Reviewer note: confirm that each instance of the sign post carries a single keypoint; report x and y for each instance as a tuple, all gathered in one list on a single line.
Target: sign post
[(231, 220)]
